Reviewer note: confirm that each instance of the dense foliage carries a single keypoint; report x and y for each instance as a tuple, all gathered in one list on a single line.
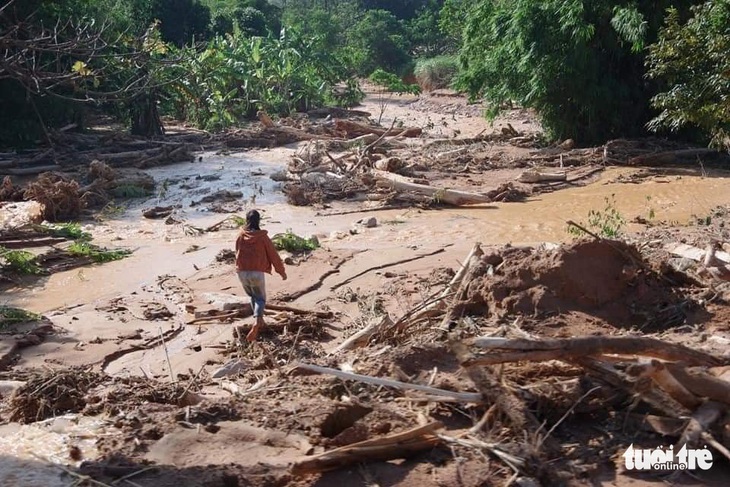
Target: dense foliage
[(579, 63), (693, 59), (593, 70)]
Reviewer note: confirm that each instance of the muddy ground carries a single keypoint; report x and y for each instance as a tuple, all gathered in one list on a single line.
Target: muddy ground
[(116, 384)]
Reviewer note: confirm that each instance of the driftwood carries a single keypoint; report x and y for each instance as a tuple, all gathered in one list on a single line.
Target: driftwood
[(535, 176), (458, 396), (702, 384), (361, 338), (697, 254), (655, 397), (457, 303), (442, 195), (495, 392), (399, 445), (669, 157), (700, 422), (433, 306), (356, 129), (658, 372), (565, 349)]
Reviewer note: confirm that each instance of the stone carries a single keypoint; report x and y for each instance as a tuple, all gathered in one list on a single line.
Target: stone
[(231, 367), (225, 302), (371, 222)]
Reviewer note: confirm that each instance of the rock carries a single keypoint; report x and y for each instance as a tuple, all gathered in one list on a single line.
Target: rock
[(232, 367), (280, 176), (288, 260), (371, 222), (337, 235), (354, 231), (314, 239), (225, 302)]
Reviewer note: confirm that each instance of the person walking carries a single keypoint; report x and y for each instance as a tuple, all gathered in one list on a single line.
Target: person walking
[(256, 255)]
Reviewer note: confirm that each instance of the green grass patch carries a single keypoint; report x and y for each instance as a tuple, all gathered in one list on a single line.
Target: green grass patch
[(292, 242), (71, 231), (19, 262), (130, 191), (437, 72), (11, 316), (97, 254), (239, 221)]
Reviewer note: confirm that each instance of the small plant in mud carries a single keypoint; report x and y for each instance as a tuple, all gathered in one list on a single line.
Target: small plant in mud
[(650, 213), (19, 262), (71, 231), (238, 221), (608, 223), (109, 211), (292, 242), (95, 253), (10, 316)]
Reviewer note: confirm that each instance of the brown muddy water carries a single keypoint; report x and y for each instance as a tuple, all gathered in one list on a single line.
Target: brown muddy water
[(161, 249)]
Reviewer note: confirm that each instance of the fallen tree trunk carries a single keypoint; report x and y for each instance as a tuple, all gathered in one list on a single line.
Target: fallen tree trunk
[(702, 419), (669, 157), (356, 129), (701, 383), (535, 176), (568, 348), (653, 396), (399, 445), (361, 338), (658, 372), (521, 420), (441, 195)]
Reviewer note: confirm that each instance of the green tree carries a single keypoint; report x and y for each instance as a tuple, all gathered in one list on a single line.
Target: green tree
[(693, 59), (378, 40), (181, 21), (579, 63)]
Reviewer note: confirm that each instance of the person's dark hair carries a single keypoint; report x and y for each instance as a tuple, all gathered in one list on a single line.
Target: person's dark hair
[(253, 218)]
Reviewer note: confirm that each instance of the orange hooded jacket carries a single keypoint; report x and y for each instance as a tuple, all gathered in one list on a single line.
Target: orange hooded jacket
[(255, 252)]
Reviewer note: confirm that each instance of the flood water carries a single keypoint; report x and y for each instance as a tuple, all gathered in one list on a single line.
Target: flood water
[(161, 249)]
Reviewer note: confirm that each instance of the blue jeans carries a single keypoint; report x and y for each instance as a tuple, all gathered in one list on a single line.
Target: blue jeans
[(254, 283)]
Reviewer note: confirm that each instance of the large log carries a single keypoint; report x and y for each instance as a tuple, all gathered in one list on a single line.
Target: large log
[(400, 445), (442, 195), (356, 129), (669, 157)]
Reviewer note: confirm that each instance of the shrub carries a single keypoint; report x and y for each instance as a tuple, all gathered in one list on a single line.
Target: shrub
[(580, 64), (437, 72), (694, 60), (292, 242)]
